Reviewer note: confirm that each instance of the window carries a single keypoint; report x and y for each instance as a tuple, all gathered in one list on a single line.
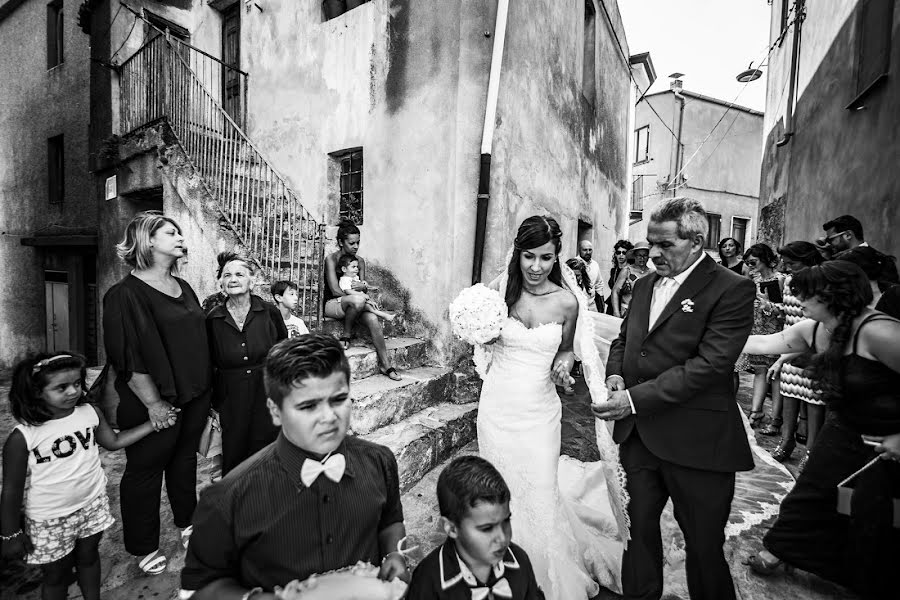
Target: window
[(351, 201), (54, 34), (715, 230), (56, 170), (637, 193), (589, 77), (642, 145), (873, 45), (739, 228), (335, 8)]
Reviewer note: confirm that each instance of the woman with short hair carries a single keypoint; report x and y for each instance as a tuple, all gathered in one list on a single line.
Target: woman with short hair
[(241, 332), (155, 337)]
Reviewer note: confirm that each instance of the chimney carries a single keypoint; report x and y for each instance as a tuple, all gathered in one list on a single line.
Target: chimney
[(676, 85)]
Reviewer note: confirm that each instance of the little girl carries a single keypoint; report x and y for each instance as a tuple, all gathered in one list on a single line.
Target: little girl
[(51, 458), (348, 274)]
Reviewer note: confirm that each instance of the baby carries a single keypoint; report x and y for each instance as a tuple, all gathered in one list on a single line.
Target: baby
[(348, 268)]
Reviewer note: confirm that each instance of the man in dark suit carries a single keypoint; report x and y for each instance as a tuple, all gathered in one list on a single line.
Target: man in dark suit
[(673, 399)]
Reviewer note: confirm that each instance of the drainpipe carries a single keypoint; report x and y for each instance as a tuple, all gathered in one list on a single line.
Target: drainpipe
[(679, 148), (487, 139), (792, 84)]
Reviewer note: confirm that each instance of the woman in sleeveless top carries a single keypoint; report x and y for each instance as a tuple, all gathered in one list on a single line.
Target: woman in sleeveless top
[(852, 353)]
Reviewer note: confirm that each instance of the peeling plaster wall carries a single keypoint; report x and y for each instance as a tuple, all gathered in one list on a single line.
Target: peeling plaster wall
[(36, 104), (839, 161)]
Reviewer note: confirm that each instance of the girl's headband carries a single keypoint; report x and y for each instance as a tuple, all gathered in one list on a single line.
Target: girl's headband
[(43, 363)]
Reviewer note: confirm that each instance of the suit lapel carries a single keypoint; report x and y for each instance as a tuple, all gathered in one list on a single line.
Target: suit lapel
[(695, 282)]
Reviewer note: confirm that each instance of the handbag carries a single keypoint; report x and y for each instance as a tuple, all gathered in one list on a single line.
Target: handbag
[(211, 438), (845, 494), (103, 394)]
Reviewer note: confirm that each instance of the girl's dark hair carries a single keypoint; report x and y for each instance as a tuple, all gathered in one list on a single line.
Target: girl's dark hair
[(580, 268), (345, 230), (533, 232), (764, 253), (737, 246), (844, 289), (802, 252), (29, 378)]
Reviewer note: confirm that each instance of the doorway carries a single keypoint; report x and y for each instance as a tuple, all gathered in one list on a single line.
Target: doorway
[(56, 295), (231, 56)]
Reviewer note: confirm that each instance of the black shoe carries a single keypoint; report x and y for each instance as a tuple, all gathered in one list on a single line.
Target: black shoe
[(784, 450)]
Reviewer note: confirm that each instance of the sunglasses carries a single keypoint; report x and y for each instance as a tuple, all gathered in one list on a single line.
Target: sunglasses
[(621, 251), (828, 238), (751, 263)]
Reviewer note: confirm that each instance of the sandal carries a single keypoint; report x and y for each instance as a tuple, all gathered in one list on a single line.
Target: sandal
[(154, 563), (186, 535), (760, 567), (773, 428), (345, 341), (391, 373), (784, 450), (755, 418)]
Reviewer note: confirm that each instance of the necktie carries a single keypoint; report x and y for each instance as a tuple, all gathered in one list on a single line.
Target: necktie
[(500, 589), (661, 296), (333, 467)]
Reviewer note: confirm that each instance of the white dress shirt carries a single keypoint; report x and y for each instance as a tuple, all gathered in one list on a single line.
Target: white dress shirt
[(664, 289), (594, 278)]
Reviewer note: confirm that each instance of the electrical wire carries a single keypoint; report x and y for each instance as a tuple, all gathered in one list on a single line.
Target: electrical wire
[(125, 41)]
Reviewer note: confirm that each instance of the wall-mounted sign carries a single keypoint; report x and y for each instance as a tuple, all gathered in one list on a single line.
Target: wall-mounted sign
[(111, 192)]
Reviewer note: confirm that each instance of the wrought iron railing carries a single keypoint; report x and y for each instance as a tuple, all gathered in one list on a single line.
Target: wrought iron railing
[(160, 82)]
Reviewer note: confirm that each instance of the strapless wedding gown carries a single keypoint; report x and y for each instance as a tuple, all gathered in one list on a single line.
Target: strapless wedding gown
[(561, 514)]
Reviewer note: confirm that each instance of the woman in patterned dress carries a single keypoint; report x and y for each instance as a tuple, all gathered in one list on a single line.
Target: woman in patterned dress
[(768, 318), (797, 391)]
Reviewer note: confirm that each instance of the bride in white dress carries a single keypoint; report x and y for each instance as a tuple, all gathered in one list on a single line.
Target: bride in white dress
[(570, 517)]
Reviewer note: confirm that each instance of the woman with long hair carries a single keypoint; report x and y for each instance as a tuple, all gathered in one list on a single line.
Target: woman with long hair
[(730, 255), (619, 261), (154, 331), (624, 286), (351, 307), (241, 332), (854, 358), (797, 392), (519, 401)]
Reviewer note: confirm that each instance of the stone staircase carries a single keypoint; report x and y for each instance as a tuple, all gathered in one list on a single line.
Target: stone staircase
[(423, 419)]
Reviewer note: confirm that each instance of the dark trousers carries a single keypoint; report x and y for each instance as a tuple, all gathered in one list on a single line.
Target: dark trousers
[(247, 428), (171, 452), (702, 502)]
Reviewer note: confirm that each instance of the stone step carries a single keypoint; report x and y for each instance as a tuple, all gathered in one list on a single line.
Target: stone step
[(405, 354), (336, 326), (380, 401), (425, 439)]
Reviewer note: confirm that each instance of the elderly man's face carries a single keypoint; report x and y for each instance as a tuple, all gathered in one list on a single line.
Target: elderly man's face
[(586, 251), (671, 254)]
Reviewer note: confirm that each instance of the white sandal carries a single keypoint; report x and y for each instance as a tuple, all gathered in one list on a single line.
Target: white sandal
[(154, 563), (186, 535)]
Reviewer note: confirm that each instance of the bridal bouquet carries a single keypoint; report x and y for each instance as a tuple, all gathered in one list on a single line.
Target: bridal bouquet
[(477, 314), (359, 582)]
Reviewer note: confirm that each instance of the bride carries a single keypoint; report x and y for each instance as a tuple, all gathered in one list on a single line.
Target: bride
[(570, 517)]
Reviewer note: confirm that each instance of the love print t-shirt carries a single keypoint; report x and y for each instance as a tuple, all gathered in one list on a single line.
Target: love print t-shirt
[(64, 470)]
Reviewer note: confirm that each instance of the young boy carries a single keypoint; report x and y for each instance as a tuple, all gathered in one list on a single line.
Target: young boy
[(313, 501), (477, 560), (286, 298), (348, 269)]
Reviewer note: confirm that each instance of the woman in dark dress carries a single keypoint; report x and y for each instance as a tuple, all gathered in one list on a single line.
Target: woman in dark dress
[(856, 361), (730, 255), (620, 252), (155, 337), (241, 332)]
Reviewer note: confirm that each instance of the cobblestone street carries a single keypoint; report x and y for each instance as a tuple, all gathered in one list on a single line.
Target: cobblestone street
[(753, 510)]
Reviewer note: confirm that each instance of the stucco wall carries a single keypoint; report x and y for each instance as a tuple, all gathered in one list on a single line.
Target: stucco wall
[(838, 161), (36, 104)]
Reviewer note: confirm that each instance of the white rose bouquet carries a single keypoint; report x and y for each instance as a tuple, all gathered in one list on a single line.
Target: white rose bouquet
[(477, 314)]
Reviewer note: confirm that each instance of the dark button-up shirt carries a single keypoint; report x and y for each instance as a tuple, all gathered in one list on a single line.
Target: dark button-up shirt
[(262, 527)]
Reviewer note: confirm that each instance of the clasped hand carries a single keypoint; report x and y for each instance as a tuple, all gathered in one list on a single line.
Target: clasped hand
[(17, 547), (617, 405), (559, 375), (162, 415)]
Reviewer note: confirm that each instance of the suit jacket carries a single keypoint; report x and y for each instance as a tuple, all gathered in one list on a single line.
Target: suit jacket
[(679, 373)]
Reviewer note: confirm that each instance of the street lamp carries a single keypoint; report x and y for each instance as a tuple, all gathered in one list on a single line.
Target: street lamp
[(749, 75)]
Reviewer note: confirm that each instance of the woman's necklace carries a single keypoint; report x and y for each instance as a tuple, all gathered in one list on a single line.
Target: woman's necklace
[(238, 314), (547, 293)]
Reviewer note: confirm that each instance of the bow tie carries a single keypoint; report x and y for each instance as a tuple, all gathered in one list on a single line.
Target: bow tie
[(333, 467), (500, 589)]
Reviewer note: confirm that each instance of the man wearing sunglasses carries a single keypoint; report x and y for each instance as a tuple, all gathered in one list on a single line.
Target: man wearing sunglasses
[(845, 234)]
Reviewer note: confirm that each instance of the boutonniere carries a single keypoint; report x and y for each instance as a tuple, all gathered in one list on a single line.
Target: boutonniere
[(687, 305)]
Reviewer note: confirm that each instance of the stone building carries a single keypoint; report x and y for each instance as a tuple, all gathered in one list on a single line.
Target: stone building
[(48, 207), (688, 144), (832, 117)]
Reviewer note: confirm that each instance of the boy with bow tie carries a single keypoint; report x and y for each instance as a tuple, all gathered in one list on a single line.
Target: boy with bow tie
[(477, 561), (312, 501)]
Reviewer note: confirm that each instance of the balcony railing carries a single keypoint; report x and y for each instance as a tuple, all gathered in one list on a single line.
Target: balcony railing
[(167, 79)]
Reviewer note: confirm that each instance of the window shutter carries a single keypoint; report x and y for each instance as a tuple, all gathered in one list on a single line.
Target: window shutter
[(875, 23)]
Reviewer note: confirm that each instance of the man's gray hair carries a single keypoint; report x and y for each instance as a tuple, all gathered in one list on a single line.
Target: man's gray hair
[(688, 213)]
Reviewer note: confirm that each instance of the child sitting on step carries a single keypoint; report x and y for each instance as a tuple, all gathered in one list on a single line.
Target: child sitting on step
[(348, 272), (54, 447), (477, 560)]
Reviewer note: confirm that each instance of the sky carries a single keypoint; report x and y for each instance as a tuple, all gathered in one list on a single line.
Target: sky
[(710, 41)]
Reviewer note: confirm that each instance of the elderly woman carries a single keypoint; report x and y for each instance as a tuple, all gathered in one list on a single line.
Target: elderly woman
[(619, 261), (155, 336), (241, 332), (351, 307), (855, 358), (624, 287)]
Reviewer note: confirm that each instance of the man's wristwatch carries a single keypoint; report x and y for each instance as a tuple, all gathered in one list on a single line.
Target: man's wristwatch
[(250, 593)]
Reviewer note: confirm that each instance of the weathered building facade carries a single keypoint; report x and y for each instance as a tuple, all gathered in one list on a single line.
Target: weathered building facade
[(687, 144), (832, 117), (48, 209)]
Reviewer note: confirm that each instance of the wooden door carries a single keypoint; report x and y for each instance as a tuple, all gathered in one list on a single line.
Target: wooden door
[(231, 56), (56, 292)]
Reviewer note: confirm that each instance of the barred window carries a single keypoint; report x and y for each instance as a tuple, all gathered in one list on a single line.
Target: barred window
[(351, 201)]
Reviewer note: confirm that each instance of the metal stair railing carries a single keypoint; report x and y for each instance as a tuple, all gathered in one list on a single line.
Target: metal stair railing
[(157, 82)]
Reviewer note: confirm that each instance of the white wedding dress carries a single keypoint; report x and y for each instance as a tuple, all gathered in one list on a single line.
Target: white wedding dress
[(567, 515)]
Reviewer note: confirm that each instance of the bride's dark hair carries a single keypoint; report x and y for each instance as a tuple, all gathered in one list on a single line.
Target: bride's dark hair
[(533, 232)]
